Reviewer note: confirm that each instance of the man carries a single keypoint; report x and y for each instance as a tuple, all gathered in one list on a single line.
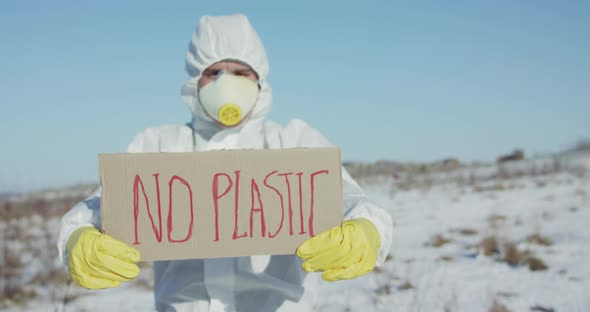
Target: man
[(229, 96)]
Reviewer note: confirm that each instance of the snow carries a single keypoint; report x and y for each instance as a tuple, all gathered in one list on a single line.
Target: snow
[(124, 298), (471, 281), (419, 275)]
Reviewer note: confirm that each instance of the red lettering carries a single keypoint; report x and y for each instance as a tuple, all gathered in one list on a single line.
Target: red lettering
[(254, 187), (312, 200), (216, 198), (302, 231), (282, 203), (236, 206), (286, 175), (190, 228), (157, 231)]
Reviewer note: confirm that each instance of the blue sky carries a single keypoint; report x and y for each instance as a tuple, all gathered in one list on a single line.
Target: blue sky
[(393, 80)]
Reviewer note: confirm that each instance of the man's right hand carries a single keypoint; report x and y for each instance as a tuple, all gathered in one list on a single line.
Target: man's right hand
[(98, 261)]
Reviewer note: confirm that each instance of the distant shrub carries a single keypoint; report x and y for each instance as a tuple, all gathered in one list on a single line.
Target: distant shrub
[(539, 240), (518, 154), (582, 145), (466, 231), (489, 245), (497, 307), (494, 220), (406, 285), (439, 240), (536, 264)]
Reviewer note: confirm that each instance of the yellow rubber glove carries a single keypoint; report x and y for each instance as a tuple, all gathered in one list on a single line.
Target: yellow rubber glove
[(99, 261), (343, 252)]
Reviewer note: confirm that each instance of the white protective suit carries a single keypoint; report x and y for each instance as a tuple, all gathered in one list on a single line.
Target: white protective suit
[(258, 283)]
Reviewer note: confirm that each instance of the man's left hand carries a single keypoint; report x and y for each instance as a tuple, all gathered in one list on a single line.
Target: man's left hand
[(343, 252)]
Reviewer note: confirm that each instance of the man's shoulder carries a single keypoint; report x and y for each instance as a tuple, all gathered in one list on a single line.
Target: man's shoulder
[(298, 133), (294, 123), (151, 138), (163, 130)]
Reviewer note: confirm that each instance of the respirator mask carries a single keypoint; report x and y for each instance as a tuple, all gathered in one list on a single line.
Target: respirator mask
[(229, 98)]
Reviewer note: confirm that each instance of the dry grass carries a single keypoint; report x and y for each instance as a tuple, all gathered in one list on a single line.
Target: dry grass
[(406, 285), (439, 241), (383, 290), (489, 245), (512, 255), (538, 308), (466, 231), (539, 240), (494, 220), (547, 216), (581, 193), (45, 208), (451, 304), (536, 264), (16, 295), (506, 294), (31, 227), (497, 307), (498, 186), (446, 258)]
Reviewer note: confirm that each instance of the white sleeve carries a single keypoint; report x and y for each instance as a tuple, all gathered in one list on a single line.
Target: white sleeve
[(356, 204), (84, 213), (87, 212)]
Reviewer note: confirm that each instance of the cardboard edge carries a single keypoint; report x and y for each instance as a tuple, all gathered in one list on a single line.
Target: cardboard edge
[(101, 160), (227, 150), (341, 188)]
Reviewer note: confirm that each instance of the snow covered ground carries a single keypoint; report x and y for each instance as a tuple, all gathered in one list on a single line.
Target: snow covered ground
[(535, 230), (457, 276)]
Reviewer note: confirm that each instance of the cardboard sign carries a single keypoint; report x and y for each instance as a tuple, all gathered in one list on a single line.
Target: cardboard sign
[(220, 203)]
